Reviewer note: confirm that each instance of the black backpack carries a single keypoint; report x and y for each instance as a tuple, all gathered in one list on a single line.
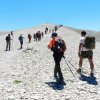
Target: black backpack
[(89, 42), (20, 38), (59, 45), (8, 38)]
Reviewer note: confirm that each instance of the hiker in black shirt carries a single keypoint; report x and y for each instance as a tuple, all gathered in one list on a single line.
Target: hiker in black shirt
[(8, 42)]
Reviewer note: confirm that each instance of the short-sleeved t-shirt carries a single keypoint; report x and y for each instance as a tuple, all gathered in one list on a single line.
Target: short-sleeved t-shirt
[(82, 40)]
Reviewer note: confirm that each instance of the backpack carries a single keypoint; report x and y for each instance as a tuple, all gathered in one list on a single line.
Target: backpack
[(8, 38), (89, 42), (59, 45), (20, 38)]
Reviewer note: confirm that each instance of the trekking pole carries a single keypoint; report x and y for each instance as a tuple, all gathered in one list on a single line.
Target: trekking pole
[(72, 65), (69, 68)]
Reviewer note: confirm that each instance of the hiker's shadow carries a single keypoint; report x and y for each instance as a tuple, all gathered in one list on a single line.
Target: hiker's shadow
[(88, 79), (55, 85)]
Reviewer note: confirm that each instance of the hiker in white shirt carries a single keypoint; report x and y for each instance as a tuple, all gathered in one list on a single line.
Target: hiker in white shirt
[(83, 53)]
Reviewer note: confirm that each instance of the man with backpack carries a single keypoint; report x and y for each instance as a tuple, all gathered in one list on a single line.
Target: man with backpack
[(8, 42), (58, 47), (21, 40), (85, 51)]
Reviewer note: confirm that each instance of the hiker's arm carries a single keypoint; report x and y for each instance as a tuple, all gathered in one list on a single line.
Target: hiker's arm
[(80, 46), (50, 44)]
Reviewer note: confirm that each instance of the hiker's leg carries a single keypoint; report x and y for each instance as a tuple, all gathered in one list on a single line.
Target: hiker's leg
[(91, 65), (36, 39), (80, 62), (55, 69), (58, 68), (21, 44), (90, 58), (60, 73), (6, 46), (29, 40), (9, 45)]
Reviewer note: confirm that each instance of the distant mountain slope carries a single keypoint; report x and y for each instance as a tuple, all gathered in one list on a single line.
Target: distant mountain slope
[(97, 35), (89, 32), (4, 32), (51, 26)]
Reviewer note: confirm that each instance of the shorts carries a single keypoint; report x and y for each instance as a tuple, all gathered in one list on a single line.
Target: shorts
[(87, 54)]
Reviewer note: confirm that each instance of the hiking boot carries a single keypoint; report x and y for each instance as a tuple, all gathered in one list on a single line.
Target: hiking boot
[(92, 74), (63, 83), (79, 71)]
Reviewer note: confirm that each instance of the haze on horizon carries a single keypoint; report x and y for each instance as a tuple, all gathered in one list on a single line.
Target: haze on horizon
[(20, 14)]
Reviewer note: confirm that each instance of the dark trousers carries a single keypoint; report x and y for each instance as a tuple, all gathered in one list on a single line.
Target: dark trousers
[(29, 40), (8, 44), (57, 69), (21, 44)]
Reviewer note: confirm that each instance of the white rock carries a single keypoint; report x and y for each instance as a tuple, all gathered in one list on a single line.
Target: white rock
[(9, 90), (36, 97), (22, 91), (99, 92), (11, 97)]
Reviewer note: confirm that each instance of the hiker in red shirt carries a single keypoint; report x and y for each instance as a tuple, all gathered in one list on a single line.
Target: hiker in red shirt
[(29, 37), (58, 52)]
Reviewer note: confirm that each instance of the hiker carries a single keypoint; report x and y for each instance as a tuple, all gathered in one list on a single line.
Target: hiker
[(37, 36), (56, 28), (46, 30), (34, 36), (42, 34), (21, 40), (58, 53), (29, 37), (49, 30), (83, 52), (8, 42), (12, 33)]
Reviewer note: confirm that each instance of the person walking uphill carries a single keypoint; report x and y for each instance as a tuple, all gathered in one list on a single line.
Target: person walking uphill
[(8, 42), (58, 52), (85, 53), (29, 37), (21, 40)]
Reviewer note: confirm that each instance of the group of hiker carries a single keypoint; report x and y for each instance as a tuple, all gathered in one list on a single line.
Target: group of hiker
[(58, 46), (9, 37), (36, 36)]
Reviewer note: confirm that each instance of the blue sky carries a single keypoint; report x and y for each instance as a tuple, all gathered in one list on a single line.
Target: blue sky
[(20, 14)]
